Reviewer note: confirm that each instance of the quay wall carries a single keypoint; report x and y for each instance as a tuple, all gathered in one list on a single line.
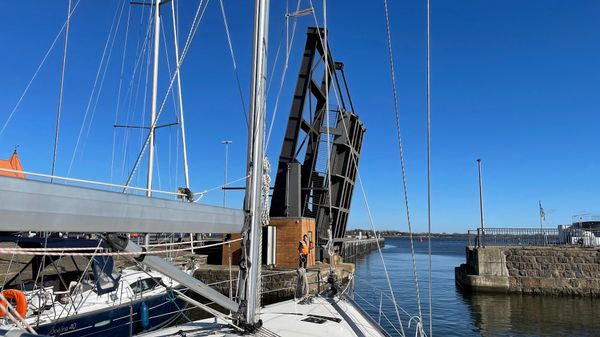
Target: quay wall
[(531, 270), (354, 248)]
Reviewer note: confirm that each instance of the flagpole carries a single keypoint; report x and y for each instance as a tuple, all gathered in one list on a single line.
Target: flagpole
[(541, 215), (480, 202)]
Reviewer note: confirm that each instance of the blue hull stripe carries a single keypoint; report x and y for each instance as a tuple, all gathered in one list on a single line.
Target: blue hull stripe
[(117, 321)]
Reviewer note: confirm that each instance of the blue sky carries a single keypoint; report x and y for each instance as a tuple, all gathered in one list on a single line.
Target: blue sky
[(513, 82)]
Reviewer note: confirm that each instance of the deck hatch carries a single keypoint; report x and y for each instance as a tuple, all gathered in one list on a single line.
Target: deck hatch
[(328, 318)]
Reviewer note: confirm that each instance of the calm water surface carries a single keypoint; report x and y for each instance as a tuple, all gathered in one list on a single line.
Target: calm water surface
[(460, 314)]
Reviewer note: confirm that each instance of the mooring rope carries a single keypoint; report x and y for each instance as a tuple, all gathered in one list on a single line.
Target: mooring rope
[(53, 252)]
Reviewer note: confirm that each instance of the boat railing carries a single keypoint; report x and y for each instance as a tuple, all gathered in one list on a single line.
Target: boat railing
[(87, 183), (385, 301)]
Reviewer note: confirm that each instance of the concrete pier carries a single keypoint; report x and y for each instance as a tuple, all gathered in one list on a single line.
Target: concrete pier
[(531, 270), (353, 248)]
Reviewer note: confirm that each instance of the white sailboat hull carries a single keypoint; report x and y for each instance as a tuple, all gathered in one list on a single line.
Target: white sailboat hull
[(325, 317)]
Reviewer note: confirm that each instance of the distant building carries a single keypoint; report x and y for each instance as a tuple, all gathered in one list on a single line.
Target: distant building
[(586, 221), (13, 163)]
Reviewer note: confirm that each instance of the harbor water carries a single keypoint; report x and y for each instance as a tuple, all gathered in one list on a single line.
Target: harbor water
[(456, 313)]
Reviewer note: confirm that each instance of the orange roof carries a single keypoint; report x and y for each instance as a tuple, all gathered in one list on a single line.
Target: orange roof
[(12, 164)]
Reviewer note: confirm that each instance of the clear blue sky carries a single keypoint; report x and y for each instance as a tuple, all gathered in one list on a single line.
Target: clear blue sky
[(513, 82)]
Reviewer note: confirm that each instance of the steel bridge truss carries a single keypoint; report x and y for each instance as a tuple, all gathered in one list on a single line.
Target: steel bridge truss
[(301, 186)]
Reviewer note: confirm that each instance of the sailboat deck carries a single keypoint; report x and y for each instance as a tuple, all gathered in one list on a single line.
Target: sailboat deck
[(323, 317)]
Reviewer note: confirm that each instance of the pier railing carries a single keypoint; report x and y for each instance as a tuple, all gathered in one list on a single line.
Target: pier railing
[(534, 237)]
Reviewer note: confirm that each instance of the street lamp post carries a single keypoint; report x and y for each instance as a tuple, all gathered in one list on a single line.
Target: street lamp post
[(226, 143), (480, 201)]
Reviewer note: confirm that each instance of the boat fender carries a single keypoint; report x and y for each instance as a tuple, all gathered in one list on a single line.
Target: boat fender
[(17, 297), (117, 241), (142, 255), (144, 316)]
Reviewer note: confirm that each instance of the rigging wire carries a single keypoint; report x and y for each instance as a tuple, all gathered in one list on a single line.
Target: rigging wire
[(84, 300), (114, 38), (194, 28), (146, 87), (174, 19), (112, 162), (14, 109), (83, 274), (370, 216), (429, 170), (200, 195), (288, 48), (326, 111), (372, 224), (91, 182), (401, 150), (169, 156), (235, 69), (330, 73), (274, 66), (60, 91), (89, 104), (131, 95), (12, 258), (178, 136), (9, 311), (156, 164), (172, 91)]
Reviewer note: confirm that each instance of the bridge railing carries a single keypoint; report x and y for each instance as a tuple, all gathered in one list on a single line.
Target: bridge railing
[(534, 237)]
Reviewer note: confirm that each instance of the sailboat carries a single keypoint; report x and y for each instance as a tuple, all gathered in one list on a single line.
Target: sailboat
[(96, 299), (92, 297), (332, 313), (76, 290)]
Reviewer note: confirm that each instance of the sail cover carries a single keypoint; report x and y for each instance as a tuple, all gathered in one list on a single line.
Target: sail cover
[(106, 278), (28, 205)]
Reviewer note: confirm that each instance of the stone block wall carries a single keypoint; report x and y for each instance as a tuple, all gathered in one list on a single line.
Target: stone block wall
[(554, 270), (534, 270), (278, 284)]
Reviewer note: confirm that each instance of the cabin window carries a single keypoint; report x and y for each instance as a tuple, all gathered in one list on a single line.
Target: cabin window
[(144, 285)]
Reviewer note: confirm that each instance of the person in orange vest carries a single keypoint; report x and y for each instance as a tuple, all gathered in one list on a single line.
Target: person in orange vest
[(304, 248)]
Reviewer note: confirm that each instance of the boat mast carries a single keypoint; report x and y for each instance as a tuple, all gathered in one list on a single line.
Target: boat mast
[(154, 94), (60, 91), (181, 123), (252, 202)]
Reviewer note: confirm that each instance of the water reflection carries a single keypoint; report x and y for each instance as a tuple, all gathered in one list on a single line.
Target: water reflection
[(527, 315), (461, 314)]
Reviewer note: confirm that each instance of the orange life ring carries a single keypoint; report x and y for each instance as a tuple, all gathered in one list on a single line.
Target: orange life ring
[(17, 296)]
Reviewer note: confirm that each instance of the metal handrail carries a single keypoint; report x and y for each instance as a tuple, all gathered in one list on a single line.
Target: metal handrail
[(514, 236)]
